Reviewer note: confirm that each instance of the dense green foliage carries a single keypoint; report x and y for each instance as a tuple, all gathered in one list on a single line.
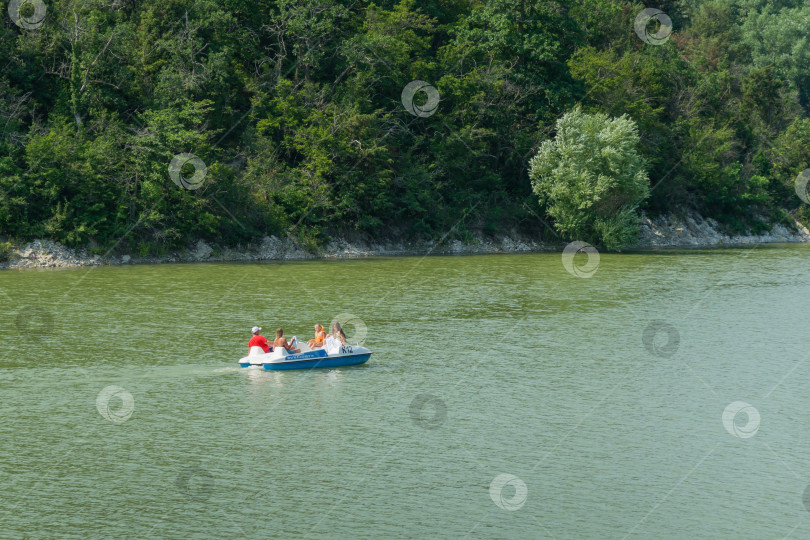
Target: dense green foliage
[(592, 178), (295, 108)]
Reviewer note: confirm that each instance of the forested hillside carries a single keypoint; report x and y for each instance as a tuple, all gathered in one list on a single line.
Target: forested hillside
[(146, 124)]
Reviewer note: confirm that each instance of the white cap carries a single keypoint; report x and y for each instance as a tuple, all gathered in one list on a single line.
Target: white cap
[(255, 329)]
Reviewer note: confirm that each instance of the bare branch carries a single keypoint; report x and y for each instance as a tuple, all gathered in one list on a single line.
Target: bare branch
[(87, 71)]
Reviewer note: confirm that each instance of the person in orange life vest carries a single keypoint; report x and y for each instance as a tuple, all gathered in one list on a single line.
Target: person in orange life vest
[(258, 341), (320, 335)]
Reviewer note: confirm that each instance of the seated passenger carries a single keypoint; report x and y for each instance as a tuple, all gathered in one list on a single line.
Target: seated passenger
[(258, 340), (320, 336), (337, 333), (281, 341)]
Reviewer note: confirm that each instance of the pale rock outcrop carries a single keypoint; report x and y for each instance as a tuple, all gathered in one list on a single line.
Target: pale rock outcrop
[(688, 229)]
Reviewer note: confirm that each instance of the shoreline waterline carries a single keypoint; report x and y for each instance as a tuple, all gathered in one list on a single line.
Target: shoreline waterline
[(686, 231)]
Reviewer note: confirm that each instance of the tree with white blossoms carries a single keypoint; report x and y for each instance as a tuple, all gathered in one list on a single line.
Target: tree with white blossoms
[(591, 178)]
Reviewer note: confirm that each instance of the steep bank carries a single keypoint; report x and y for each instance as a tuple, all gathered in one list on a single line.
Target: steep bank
[(49, 254), (684, 230), (688, 229)]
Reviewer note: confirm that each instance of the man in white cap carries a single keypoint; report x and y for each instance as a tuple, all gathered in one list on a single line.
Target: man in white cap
[(258, 341)]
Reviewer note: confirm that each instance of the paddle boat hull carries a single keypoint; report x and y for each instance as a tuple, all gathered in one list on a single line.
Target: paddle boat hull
[(304, 361), (280, 359)]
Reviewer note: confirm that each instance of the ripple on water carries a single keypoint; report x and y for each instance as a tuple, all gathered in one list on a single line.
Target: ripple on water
[(482, 367)]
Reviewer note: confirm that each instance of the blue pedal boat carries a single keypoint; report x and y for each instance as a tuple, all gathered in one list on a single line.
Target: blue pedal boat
[(280, 359)]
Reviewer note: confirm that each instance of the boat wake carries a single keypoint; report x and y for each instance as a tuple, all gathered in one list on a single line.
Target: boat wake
[(229, 369)]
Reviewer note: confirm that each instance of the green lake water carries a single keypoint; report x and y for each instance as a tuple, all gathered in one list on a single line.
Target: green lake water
[(506, 398)]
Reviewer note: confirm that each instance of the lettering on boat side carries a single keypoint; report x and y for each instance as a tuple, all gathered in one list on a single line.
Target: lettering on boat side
[(346, 349), (305, 356)]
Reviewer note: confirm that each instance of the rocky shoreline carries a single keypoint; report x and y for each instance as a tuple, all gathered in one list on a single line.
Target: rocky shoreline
[(687, 230), (50, 254)]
